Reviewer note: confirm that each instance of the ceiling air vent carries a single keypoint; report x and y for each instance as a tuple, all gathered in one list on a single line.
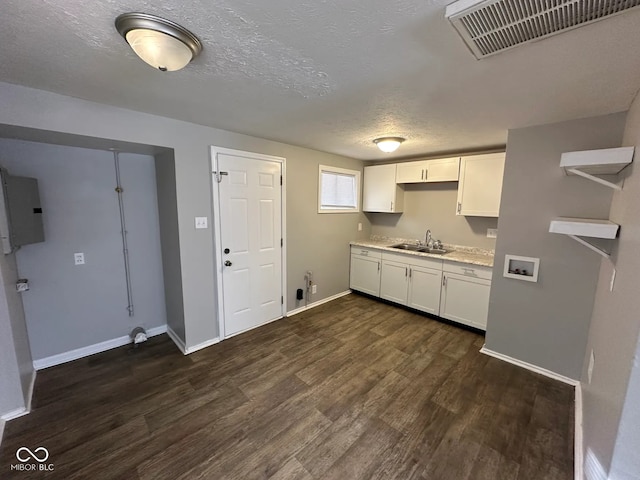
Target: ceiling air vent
[(492, 26)]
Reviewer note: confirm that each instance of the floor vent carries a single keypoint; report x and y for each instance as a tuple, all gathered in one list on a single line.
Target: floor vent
[(492, 26)]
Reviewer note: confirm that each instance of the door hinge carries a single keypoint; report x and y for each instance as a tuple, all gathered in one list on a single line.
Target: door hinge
[(281, 300), (282, 242), (280, 180)]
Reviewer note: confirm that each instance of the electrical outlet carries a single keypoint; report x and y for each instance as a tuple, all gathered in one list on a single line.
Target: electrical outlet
[(201, 222), (592, 361), (492, 233), (314, 289), (359, 227), (78, 258)]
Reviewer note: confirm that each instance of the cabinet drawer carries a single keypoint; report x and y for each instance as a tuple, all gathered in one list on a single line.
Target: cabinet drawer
[(416, 260), (468, 270), (365, 252)]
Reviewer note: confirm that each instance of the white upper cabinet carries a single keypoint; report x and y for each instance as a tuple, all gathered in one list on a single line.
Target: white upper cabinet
[(424, 171), (380, 191), (480, 186)]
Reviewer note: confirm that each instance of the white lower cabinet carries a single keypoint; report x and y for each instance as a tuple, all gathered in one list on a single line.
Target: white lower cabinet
[(424, 289), (411, 281), (365, 271), (451, 290), (465, 294)]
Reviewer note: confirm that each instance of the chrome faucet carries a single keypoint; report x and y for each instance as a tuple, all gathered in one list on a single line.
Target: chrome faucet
[(428, 238)]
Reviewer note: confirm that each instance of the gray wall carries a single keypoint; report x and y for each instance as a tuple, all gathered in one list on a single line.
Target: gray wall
[(170, 241), (68, 306), (613, 335), (433, 206), (25, 107), (15, 354), (546, 323)]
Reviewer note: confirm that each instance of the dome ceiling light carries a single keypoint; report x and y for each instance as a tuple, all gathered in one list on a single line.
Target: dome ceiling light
[(161, 43), (388, 144)]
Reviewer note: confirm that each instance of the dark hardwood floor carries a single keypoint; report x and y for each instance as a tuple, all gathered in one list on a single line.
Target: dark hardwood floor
[(353, 389)]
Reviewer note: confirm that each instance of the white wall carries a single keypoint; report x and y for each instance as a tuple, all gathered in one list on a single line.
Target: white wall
[(611, 402), (70, 307), (547, 323)]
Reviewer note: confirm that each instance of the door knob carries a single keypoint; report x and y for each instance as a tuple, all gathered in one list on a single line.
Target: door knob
[(228, 263)]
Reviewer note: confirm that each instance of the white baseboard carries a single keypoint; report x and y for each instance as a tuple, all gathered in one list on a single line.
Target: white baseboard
[(319, 302), (202, 345), (529, 366), (177, 340), (18, 412), (187, 350), (91, 349), (593, 470), (578, 455)]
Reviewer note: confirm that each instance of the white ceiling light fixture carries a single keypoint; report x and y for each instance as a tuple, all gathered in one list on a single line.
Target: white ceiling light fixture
[(388, 144), (161, 43)]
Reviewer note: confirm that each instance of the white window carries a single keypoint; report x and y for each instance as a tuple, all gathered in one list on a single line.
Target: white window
[(338, 190)]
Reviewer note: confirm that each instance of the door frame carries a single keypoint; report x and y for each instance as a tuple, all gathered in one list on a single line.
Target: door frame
[(217, 238)]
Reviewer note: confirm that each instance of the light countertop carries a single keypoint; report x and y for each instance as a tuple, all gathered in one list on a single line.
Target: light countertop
[(460, 254)]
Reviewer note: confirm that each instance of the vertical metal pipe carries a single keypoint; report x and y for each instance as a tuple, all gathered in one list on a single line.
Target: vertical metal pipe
[(123, 226)]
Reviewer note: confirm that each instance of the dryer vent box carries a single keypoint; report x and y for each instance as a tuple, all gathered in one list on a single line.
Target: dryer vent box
[(20, 212)]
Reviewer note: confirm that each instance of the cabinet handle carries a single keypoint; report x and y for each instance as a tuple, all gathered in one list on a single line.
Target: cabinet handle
[(444, 281), (392, 206), (426, 174), (364, 252), (406, 271), (459, 207), (378, 266), (409, 272), (422, 174)]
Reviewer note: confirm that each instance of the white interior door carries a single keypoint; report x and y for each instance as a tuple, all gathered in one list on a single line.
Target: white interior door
[(250, 240)]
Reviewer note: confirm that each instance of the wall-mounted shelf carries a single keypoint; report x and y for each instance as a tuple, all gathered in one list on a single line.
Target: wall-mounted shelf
[(589, 163), (585, 227)]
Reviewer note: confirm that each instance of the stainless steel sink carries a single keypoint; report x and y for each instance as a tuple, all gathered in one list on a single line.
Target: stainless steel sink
[(420, 248)]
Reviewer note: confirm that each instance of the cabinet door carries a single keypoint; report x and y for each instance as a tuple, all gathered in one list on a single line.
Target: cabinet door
[(480, 186), (411, 172), (380, 191), (365, 275), (443, 170), (424, 289), (393, 282), (465, 299)]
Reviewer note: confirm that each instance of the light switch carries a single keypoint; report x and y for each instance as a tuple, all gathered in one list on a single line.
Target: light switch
[(492, 233), (78, 258), (359, 227), (201, 222)]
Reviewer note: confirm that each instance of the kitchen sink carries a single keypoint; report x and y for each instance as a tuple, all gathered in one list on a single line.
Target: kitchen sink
[(420, 248)]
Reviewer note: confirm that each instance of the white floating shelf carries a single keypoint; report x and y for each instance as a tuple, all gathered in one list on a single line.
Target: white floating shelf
[(588, 163), (585, 227)]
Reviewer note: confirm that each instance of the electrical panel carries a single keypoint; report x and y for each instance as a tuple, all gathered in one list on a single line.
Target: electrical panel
[(20, 212)]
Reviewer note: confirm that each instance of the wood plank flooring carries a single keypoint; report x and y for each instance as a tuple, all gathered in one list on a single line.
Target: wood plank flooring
[(354, 389)]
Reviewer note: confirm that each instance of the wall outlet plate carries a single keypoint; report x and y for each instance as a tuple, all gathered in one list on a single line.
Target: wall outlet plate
[(492, 233), (201, 222), (78, 258), (314, 289)]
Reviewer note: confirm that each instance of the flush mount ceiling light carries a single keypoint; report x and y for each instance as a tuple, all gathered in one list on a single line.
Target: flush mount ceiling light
[(388, 144), (161, 43)]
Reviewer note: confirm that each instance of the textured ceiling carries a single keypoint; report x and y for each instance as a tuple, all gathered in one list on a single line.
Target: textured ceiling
[(330, 75)]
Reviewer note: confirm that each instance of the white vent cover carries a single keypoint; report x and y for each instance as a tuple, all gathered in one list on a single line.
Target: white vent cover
[(492, 26)]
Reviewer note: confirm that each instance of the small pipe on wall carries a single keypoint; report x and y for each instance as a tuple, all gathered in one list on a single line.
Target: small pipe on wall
[(123, 226)]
